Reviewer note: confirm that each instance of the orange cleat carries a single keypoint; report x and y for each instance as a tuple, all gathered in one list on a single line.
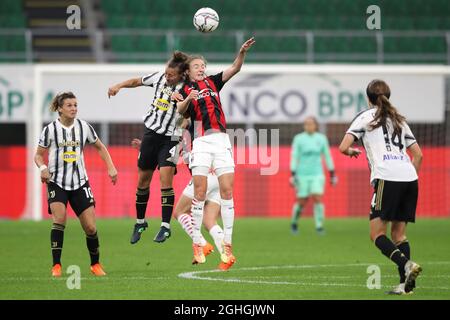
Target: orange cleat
[(225, 266), (97, 270), (208, 249), (57, 270), (199, 256), (227, 257)]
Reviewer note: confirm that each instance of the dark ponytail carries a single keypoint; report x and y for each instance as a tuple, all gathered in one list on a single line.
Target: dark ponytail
[(178, 61), (378, 93)]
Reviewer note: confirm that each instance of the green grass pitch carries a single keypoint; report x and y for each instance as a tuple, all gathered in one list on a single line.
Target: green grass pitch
[(271, 262)]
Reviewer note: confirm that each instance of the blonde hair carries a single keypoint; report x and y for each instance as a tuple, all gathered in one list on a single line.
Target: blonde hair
[(192, 57)]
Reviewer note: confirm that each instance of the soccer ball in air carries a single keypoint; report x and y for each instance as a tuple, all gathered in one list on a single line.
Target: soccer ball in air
[(206, 20)]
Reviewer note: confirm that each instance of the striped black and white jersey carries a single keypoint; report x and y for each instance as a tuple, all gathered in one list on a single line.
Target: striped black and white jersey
[(162, 116), (65, 152), (385, 150)]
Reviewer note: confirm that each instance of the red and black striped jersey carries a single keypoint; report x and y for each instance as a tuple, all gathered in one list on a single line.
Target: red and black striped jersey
[(207, 109)]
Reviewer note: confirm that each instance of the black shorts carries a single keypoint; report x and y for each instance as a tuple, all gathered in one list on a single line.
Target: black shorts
[(394, 200), (79, 199), (158, 150)]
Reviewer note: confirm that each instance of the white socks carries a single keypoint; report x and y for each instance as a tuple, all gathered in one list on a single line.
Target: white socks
[(186, 223), (197, 219), (227, 212), (216, 233)]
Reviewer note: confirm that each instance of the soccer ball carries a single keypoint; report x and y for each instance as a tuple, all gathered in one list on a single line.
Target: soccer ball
[(206, 20)]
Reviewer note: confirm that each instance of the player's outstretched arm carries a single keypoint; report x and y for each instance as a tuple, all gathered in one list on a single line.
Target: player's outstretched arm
[(104, 154), (39, 160), (237, 64), (346, 148), (130, 83)]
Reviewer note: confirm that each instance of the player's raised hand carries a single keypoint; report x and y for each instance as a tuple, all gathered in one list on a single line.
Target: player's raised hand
[(247, 44), (112, 172), (136, 143), (112, 91)]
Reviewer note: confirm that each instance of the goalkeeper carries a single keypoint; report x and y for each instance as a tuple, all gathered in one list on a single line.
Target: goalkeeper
[(307, 177)]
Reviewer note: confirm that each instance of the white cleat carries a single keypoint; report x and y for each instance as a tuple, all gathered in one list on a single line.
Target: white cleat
[(399, 290), (412, 271)]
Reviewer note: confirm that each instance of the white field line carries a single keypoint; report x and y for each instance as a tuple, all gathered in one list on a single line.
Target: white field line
[(198, 275)]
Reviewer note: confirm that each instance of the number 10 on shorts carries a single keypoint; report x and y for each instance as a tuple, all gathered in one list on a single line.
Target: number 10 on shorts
[(88, 192)]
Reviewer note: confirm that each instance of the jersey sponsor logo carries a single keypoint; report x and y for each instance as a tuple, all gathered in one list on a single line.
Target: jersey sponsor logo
[(205, 93), (161, 104), (70, 156), (387, 157), (69, 143)]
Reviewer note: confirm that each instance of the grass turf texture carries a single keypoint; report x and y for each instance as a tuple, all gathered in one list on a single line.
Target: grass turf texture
[(271, 262)]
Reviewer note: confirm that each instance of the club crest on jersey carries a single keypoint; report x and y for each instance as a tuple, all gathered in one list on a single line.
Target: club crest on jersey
[(70, 156), (161, 104)]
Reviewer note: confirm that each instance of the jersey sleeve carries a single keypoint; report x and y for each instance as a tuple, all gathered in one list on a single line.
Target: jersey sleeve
[(217, 79), (44, 139), (295, 154), (327, 154), (91, 136), (151, 79), (409, 136), (359, 125)]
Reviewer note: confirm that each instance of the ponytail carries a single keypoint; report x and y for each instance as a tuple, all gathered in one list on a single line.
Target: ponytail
[(178, 61), (378, 93)]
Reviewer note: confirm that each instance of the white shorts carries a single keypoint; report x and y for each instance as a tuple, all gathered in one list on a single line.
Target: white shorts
[(212, 151), (212, 193)]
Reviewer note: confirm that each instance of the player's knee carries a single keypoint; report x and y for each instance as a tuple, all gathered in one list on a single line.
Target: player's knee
[(144, 179), (226, 194), (317, 200), (90, 229), (165, 182), (200, 195)]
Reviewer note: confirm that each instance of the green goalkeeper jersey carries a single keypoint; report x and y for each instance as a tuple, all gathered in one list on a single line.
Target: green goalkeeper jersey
[(306, 154)]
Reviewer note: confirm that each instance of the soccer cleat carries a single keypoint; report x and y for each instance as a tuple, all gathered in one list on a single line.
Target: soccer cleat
[(56, 270), (162, 235), (294, 228), (208, 249), (399, 290), (138, 229), (97, 270), (225, 266), (320, 231), (199, 256), (412, 271), (227, 254)]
